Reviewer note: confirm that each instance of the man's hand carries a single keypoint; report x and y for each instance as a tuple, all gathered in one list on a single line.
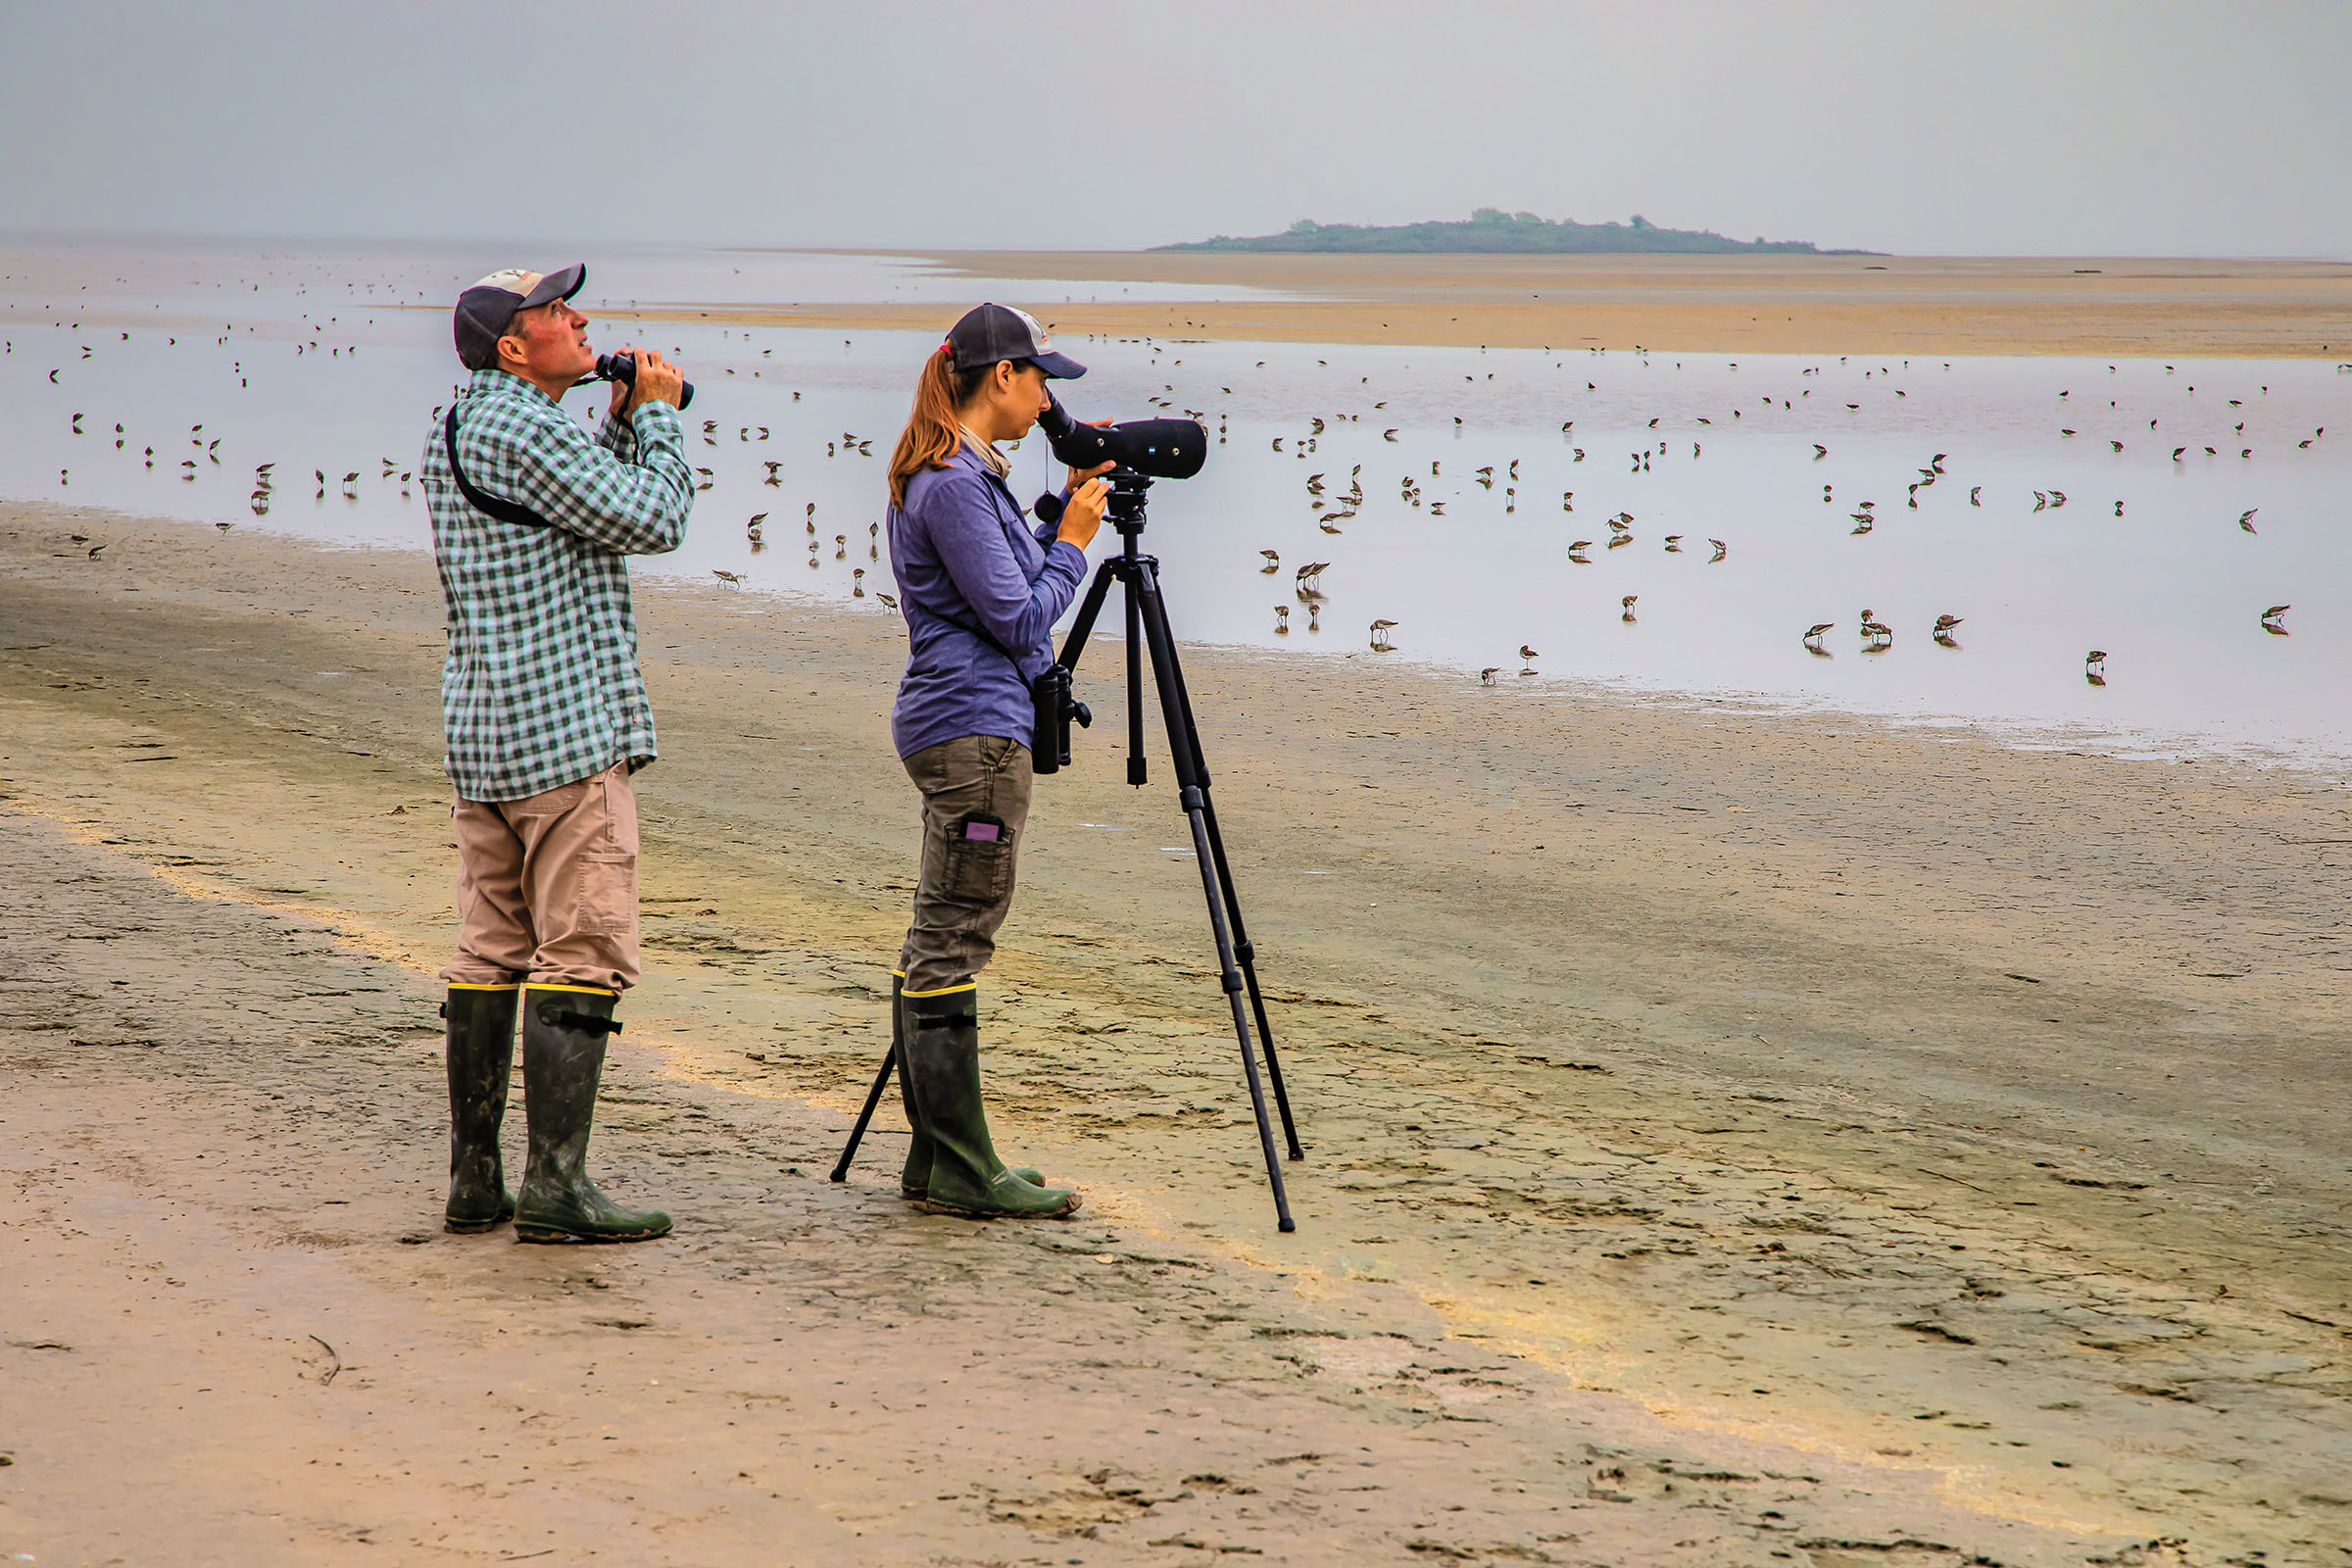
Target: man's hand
[(1082, 514), (656, 381)]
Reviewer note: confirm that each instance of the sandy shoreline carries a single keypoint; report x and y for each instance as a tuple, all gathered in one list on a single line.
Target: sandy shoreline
[(2092, 306), (1729, 1134)]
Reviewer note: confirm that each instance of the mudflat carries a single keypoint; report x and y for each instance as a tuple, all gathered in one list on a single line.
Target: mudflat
[(1733, 1137), (1887, 304)]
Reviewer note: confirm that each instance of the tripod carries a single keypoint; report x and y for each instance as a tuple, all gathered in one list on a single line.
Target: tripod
[(1148, 629)]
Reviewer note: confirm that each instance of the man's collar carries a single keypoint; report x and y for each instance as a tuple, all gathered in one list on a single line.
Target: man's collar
[(494, 379)]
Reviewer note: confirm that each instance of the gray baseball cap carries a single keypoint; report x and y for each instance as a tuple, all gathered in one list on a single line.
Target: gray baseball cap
[(487, 309), (987, 333)]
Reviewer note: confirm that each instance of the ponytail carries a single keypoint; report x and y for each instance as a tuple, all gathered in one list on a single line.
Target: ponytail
[(933, 429)]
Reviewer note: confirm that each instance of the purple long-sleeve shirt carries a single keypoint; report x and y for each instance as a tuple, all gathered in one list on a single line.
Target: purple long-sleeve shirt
[(962, 547)]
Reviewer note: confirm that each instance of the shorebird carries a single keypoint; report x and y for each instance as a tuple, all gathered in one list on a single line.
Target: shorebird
[(857, 582), (1874, 635), (1862, 522), (1815, 632), (2245, 518), (2270, 620), (1380, 634), (1674, 544), (1626, 605), (2118, 445), (1819, 452), (1575, 552), (1721, 549), (732, 579), (1306, 576), (1388, 434), (2094, 666), (1314, 616), (1527, 660), (1273, 560), (1282, 621), (2176, 451), (2057, 499), (1944, 625), (1486, 676)]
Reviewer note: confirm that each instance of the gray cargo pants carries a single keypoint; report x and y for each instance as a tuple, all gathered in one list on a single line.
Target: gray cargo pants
[(975, 808)]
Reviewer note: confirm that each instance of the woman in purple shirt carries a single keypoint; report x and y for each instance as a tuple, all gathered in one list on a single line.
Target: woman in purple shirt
[(980, 590)]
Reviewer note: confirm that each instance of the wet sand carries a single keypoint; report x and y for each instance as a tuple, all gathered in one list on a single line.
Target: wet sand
[(2096, 305), (1733, 1138)]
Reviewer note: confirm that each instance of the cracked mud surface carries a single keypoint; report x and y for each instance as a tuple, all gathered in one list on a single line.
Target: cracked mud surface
[(1833, 1145)]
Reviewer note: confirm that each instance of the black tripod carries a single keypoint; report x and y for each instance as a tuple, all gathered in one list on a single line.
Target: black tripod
[(1147, 628)]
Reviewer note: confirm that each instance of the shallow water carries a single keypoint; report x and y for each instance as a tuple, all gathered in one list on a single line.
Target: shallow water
[(323, 361)]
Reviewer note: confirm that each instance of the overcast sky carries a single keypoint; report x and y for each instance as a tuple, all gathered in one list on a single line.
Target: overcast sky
[(2058, 126)]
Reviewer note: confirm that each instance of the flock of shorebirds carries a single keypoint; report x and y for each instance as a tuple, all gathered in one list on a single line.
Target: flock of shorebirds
[(1334, 507)]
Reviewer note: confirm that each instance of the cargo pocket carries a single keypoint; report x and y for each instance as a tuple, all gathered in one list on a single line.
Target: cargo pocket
[(608, 890), (979, 868)]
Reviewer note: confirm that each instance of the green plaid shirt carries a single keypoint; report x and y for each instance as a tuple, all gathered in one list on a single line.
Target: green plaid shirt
[(540, 686)]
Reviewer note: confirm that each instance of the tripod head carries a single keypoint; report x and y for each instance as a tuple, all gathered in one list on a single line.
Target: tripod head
[(1130, 493)]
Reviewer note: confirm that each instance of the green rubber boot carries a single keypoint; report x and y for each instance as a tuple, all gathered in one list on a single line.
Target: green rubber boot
[(914, 1181), (563, 1032), (480, 1057), (942, 1062)]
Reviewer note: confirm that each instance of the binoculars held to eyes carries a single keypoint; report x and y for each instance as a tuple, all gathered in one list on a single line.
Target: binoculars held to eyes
[(623, 369)]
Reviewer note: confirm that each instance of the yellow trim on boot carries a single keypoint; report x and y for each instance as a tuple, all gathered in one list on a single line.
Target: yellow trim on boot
[(943, 991), (897, 974), (461, 985), (592, 991)]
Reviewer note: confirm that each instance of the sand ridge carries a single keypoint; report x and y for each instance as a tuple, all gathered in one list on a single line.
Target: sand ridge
[(2087, 306)]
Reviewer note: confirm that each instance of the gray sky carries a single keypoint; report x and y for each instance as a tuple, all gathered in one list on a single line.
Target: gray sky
[(2050, 127)]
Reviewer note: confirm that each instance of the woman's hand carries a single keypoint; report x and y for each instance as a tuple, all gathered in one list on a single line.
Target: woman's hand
[(1081, 515)]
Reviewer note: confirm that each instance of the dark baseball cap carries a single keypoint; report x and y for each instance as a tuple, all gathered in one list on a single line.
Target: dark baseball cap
[(486, 310), (991, 333)]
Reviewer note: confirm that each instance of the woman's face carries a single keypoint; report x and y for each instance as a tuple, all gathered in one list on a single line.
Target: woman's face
[(1011, 398)]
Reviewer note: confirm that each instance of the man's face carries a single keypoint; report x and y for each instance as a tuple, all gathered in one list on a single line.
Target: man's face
[(548, 343)]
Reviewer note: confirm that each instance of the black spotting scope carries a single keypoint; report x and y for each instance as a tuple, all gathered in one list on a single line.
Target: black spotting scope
[(1161, 449), (623, 367)]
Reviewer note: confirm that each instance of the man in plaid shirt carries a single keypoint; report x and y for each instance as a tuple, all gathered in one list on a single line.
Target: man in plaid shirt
[(545, 717)]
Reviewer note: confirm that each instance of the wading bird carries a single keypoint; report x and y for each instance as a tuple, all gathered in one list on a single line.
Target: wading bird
[(1626, 605), (2270, 620), (1273, 560), (2245, 518), (2094, 666), (1486, 676), (1721, 549), (1380, 634), (1527, 660), (1943, 628)]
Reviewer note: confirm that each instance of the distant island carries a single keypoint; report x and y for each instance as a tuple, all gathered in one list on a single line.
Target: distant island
[(1492, 231)]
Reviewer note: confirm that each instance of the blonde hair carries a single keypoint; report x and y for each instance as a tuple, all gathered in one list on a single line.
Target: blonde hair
[(933, 428)]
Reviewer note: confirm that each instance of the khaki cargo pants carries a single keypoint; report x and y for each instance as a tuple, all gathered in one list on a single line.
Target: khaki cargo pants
[(547, 887), (975, 808)]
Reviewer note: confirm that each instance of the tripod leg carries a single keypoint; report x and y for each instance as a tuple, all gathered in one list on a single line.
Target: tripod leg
[(873, 1097), (1184, 752), (1084, 626), (1247, 951), (1135, 681)]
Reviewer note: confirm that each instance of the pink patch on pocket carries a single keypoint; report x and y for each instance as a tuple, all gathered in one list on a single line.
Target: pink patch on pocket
[(982, 830)]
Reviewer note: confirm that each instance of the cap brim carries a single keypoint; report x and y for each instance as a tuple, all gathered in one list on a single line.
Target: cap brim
[(555, 286), (1061, 367)]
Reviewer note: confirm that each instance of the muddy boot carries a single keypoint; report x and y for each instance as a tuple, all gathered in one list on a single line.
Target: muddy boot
[(914, 1181), (943, 1065), (563, 1031), (480, 1057)]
